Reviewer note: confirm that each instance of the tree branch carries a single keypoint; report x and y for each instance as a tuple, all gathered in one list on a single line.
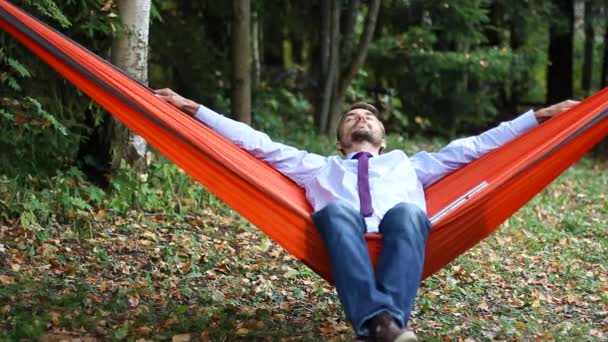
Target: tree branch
[(366, 38)]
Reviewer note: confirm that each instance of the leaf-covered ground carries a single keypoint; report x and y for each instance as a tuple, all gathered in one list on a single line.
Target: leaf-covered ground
[(212, 277)]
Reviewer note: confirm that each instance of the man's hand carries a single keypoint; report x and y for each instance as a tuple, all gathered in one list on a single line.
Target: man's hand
[(186, 105), (545, 114)]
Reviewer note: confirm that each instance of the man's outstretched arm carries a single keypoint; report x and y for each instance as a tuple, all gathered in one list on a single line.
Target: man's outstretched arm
[(430, 167), (300, 166)]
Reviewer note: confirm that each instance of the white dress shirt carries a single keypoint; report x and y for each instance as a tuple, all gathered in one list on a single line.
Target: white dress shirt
[(394, 177)]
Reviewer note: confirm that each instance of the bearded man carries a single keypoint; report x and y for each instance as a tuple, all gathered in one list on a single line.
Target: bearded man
[(367, 191)]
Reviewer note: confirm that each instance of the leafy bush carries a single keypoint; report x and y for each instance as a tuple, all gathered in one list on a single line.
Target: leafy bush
[(41, 114), (444, 92)]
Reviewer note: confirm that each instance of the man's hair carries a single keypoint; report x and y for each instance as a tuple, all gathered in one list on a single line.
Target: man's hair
[(358, 105)]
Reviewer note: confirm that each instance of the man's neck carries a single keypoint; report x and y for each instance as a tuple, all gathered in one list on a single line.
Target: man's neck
[(362, 147)]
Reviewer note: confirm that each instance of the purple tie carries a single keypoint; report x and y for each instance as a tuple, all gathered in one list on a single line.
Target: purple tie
[(365, 196)]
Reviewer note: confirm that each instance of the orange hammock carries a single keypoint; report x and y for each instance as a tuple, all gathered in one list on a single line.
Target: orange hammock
[(465, 206)]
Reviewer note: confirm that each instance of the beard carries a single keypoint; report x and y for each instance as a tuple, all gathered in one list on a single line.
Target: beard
[(359, 136)]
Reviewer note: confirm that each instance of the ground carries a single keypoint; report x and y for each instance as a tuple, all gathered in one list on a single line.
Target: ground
[(213, 277)]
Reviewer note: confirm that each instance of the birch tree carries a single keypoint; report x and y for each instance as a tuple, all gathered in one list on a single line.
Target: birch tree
[(130, 53)]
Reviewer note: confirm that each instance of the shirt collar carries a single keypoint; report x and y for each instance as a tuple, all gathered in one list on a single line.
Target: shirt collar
[(352, 154)]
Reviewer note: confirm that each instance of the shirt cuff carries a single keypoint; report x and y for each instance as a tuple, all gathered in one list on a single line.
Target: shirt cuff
[(525, 122), (206, 115)]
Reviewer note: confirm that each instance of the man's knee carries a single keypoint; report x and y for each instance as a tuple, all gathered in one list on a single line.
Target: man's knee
[(333, 209), (338, 216), (405, 217)]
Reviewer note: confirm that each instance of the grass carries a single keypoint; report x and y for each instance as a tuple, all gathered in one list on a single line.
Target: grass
[(148, 264)]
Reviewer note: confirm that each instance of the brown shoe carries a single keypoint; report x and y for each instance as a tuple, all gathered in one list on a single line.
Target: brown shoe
[(387, 330)]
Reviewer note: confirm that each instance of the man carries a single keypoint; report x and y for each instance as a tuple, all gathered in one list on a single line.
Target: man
[(368, 192)]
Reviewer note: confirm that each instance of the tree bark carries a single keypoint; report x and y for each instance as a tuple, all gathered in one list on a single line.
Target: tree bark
[(559, 70), (324, 58), (604, 81), (130, 53), (589, 45), (255, 46), (241, 77), (333, 71)]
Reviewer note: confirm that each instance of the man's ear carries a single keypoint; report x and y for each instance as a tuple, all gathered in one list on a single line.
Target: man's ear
[(339, 147), (382, 146)]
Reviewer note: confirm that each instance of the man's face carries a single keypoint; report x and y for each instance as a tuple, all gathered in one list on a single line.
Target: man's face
[(360, 125)]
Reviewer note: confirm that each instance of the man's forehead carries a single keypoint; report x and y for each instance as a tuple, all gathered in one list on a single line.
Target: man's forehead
[(358, 110)]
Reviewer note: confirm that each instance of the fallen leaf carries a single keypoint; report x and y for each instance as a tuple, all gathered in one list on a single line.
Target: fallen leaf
[(6, 280), (133, 302), (181, 338), (242, 332), (106, 7)]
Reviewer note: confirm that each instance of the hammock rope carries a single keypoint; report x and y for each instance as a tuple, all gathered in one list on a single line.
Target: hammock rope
[(466, 206)]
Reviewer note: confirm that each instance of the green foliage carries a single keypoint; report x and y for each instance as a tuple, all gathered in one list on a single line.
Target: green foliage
[(447, 92), (285, 115), (197, 32), (459, 24), (437, 67), (164, 189), (446, 79), (69, 198), (42, 114), (49, 9)]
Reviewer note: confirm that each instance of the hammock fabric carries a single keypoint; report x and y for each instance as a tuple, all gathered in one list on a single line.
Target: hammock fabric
[(466, 206)]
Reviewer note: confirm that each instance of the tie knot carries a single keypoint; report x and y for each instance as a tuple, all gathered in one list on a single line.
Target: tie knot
[(362, 155)]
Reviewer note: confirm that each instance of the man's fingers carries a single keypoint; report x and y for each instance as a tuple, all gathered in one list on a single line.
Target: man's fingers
[(567, 105), (164, 92), (572, 103)]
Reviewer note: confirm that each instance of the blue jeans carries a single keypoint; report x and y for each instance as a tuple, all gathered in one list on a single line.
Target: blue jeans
[(392, 288)]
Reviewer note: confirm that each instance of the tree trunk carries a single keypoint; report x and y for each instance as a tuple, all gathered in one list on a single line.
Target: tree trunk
[(241, 77), (559, 70), (352, 69), (255, 46), (334, 80), (324, 58), (334, 66), (348, 33), (496, 21), (130, 53), (329, 78), (272, 52), (605, 54), (519, 86), (589, 45), (516, 87)]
